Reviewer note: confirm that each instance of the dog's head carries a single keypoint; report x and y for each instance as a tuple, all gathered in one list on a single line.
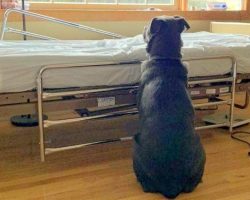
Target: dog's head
[(163, 36)]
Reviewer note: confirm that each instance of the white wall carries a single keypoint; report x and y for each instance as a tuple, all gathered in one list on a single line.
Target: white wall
[(125, 28)]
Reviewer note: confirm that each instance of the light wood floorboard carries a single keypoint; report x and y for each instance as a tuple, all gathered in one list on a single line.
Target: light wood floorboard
[(104, 172)]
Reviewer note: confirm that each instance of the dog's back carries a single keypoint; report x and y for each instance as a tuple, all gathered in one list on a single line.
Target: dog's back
[(168, 155)]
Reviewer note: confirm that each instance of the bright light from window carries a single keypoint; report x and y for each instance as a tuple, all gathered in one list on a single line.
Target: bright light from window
[(191, 4), (141, 2), (215, 4)]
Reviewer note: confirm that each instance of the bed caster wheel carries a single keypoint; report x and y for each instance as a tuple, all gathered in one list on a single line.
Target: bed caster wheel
[(84, 112), (26, 120)]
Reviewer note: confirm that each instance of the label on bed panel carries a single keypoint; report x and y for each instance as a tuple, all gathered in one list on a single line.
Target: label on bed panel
[(106, 101), (210, 91), (195, 92), (224, 90)]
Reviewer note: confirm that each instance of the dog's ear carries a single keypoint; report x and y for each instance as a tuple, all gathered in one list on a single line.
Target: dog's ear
[(182, 24), (155, 26)]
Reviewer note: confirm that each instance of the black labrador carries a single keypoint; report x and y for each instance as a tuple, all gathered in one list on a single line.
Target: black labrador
[(168, 156)]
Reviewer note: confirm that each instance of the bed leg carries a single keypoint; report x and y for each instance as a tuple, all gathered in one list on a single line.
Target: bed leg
[(234, 75), (42, 147), (40, 118)]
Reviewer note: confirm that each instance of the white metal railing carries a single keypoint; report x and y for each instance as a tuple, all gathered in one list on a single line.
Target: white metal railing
[(6, 29), (47, 123)]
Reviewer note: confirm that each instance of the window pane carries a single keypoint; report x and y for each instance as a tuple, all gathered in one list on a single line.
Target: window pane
[(132, 2), (101, 1), (66, 1), (142, 2), (166, 2), (39, 1), (215, 4)]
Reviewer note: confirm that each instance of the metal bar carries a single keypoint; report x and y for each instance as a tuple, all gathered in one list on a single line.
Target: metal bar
[(209, 58), (55, 20), (47, 95), (48, 123), (211, 81), (80, 65), (5, 19), (59, 149), (24, 20), (35, 35), (212, 103), (235, 124), (40, 117), (231, 117), (211, 126)]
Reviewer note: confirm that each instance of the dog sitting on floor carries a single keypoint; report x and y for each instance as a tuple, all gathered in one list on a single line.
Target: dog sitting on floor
[(168, 156)]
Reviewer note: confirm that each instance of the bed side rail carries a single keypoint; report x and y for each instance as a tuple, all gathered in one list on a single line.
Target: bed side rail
[(42, 95), (6, 29)]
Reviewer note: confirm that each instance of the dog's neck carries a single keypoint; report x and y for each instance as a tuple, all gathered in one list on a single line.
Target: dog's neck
[(160, 48), (154, 57)]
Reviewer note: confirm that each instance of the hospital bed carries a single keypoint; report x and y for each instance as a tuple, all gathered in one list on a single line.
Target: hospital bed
[(102, 76)]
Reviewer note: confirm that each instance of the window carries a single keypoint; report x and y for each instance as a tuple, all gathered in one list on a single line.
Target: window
[(164, 2), (215, 4), (183, 5), (128, 2)]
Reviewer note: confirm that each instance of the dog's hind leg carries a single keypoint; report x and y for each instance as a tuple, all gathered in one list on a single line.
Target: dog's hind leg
[(142, 177), (194, 180), (146, 184)]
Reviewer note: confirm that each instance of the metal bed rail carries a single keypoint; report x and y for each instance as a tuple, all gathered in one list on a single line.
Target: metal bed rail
[(6, 29), (45, 95), (231, 101)]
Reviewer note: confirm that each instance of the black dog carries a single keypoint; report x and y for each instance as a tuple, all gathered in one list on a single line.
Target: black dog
[(168, 155)]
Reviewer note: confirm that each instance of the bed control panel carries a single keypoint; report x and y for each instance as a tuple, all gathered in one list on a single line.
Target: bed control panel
[(200, 92), (105, 101)]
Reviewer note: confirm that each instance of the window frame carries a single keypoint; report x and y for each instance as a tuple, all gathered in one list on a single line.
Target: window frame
[(110, 7), (96, 12), (179, 5)]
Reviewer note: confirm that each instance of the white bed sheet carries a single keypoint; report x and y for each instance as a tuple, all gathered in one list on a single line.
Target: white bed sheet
[(20, 61)]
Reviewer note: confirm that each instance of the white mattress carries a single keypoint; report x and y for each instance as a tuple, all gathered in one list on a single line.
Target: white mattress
[(20, 61)]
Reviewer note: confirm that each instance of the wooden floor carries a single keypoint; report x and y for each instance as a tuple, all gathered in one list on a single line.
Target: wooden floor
[(104, 172)]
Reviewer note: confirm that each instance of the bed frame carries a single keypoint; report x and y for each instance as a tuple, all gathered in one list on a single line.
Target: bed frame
[(110, 101)]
